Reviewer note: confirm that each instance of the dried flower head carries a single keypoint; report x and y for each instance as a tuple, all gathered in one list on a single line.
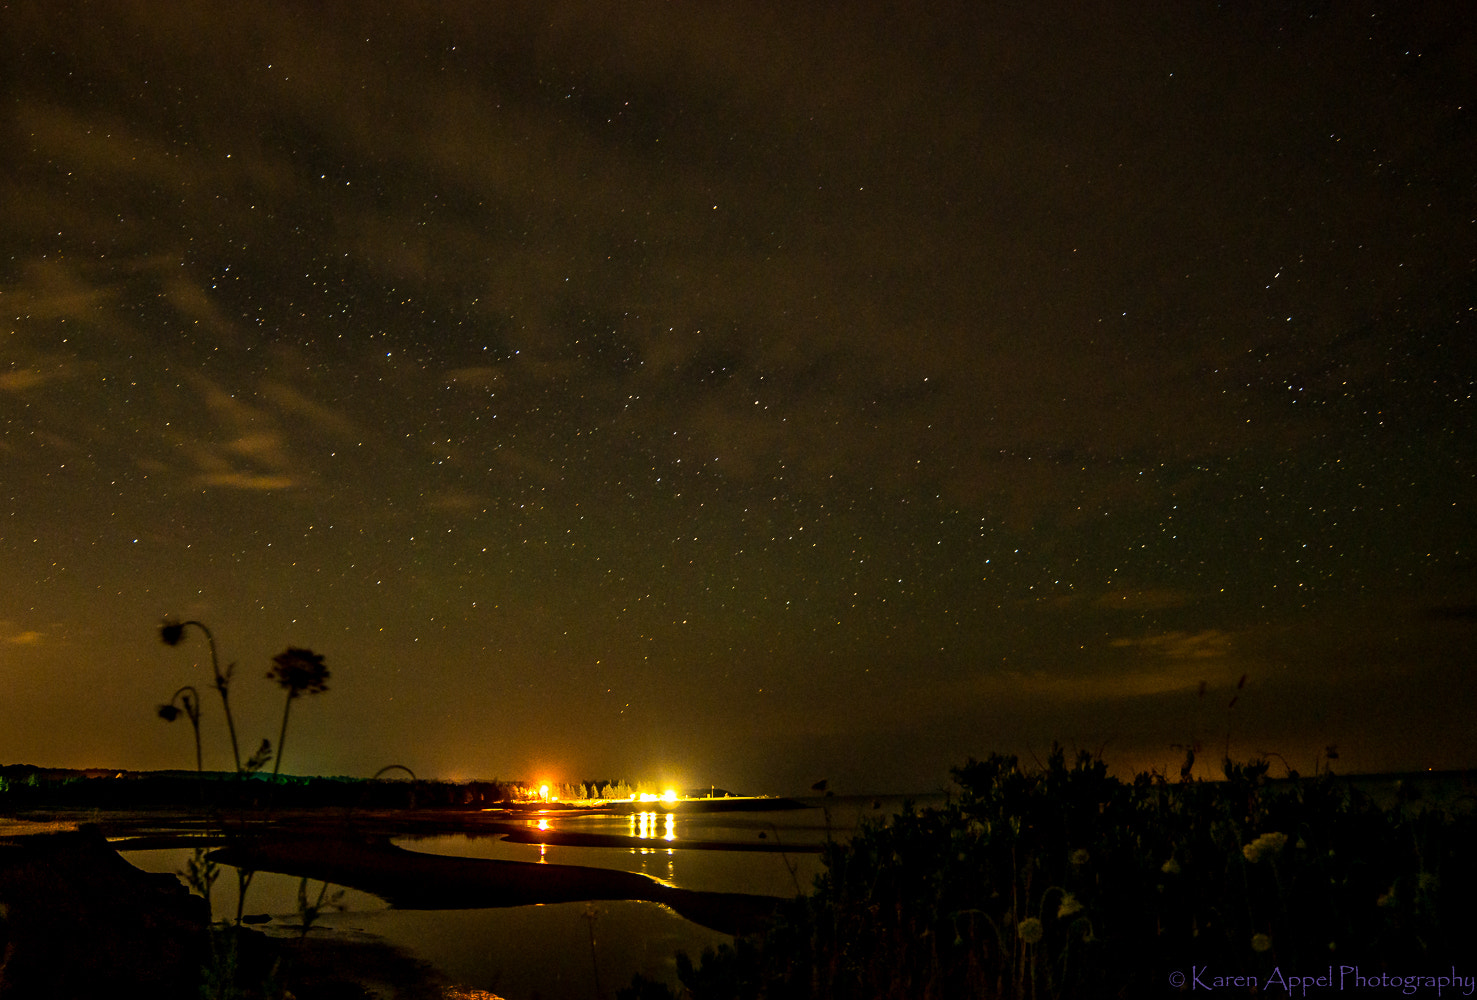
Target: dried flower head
[(1070, 905), (1079, 856), (171, 632), (1266, 844), (1260, 942), (1030, 930), (299, 671), (169, 713), (1170, 867)]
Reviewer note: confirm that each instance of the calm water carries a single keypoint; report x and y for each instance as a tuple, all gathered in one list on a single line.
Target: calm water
[(545, 951)]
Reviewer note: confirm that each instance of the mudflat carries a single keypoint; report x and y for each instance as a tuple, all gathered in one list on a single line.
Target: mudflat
[(413, 880)]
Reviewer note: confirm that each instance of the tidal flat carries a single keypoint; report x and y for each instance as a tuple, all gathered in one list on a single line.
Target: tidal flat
[(516, 902)]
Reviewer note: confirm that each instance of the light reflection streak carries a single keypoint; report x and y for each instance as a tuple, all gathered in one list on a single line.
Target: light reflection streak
[(654, 826), (645, 826)]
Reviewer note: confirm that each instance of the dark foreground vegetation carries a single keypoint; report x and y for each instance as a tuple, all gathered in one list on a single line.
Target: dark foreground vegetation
[(77, 920), (1065, 882), (1058, 881)]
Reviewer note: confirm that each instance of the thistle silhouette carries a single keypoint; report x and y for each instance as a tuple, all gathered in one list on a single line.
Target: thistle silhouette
[(188, 705), (172, 633), (298, 672)]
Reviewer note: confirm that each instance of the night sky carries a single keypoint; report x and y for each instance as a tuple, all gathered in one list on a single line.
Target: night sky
[(742, 393)]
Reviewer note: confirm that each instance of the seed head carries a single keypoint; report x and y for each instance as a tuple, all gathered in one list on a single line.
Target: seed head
[(1030, 930), (299, 672), (1265, 845)]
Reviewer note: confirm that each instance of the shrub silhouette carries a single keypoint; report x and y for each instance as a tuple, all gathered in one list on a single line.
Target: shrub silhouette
[(1066, 882)]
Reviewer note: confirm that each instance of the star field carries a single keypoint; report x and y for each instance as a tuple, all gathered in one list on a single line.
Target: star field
[(741, 397)]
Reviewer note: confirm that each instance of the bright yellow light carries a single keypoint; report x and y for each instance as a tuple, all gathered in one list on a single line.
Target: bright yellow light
[(543, 824), (669, 796), (647, 797), (543, 791)]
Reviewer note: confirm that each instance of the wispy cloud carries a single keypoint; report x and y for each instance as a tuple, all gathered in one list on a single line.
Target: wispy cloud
[(249, 480), (293, 403), (1207, 644), (56, 290), (455, 501), (21, 379), (26, 637), (1124, 684), (253, 455), (475, 377), (1142, 599)]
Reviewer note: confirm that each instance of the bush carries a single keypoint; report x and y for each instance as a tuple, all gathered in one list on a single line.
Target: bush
[(1069, 883)]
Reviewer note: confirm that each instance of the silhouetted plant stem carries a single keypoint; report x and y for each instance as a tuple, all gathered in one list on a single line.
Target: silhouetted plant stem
[(189, 698), (298, 672), (172, 633), (591, 914), (282, 737), (308, 913), (790, 866), (243, 882)]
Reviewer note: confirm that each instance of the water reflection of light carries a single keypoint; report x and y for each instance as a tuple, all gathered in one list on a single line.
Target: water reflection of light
[(653, 826), (543, 824)]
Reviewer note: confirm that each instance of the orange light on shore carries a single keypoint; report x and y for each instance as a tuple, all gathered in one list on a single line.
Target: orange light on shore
[(543, 792)]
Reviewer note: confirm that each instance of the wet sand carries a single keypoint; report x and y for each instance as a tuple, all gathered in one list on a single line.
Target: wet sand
[(412, 880)]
